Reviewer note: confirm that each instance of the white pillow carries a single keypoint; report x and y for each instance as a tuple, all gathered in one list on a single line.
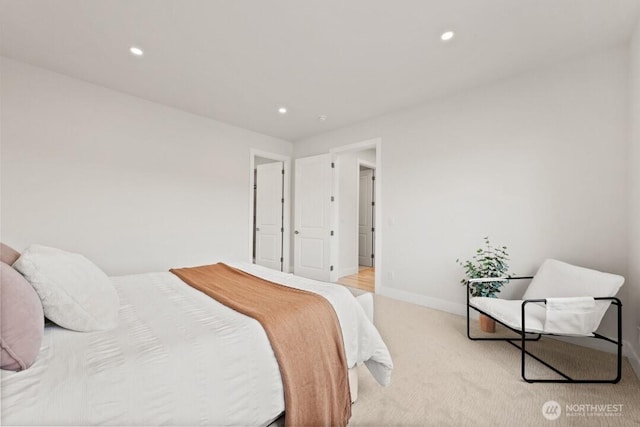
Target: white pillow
[(75, 293)]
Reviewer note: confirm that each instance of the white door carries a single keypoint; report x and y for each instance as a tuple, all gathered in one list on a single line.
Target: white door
[(269, 203), (365, 220), (312, 217)]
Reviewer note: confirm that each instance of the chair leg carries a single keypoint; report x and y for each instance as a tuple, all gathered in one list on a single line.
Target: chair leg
[(568, 379), (523, 338), (525, 353)]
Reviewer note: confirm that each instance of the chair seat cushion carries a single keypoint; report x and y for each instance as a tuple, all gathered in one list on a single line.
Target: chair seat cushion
[(509, 312)]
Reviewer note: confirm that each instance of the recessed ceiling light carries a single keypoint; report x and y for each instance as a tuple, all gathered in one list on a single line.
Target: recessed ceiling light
[(282, 110), (136, 51), (322, 118), (447, 35)]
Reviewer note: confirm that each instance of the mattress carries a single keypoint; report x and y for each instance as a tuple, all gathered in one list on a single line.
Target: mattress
[(177, 357)]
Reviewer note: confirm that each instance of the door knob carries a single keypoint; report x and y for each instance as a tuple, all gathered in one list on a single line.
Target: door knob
[(257, 229), (296, 232)]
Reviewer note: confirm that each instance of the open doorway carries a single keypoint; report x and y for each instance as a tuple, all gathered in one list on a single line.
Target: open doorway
[(326, 214), (269, 222), (366, 215), (355, 217)]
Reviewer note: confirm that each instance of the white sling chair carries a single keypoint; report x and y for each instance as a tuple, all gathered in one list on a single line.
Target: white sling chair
[(562, 300)]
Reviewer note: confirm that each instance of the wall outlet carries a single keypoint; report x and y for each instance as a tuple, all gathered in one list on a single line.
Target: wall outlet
[(638, 335)]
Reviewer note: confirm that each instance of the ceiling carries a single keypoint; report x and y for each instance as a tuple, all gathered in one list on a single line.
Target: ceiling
[(239, 61)]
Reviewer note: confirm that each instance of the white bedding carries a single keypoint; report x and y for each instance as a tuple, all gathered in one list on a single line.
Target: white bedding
[(178, 357)]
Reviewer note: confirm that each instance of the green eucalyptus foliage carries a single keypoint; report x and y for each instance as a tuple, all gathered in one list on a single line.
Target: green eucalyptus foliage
[(489, 261)]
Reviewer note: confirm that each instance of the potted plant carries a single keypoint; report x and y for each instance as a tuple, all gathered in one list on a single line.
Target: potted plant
[(490, 261)]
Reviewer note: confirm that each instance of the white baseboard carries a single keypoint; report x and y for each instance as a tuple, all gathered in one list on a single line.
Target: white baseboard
[(593, 344), (633, 357), (423, 300)]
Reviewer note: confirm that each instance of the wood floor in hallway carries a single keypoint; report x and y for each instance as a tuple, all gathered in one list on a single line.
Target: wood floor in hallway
[(364, 279)]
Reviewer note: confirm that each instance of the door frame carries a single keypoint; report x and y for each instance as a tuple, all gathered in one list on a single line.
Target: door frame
[(359, 146), (286, 223), (369, 165)]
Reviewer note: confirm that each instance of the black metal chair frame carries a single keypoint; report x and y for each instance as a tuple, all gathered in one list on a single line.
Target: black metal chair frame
[(528, 336)]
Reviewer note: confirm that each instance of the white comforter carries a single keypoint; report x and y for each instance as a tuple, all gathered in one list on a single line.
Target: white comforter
[(178, 357)]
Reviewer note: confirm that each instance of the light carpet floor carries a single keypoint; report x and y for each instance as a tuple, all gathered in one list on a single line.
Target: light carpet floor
[(441, 378)]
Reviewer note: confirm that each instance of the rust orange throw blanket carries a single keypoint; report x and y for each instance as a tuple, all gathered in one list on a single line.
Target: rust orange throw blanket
[(305, 335)]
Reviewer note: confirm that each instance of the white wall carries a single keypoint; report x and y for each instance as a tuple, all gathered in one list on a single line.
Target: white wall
[(135, 186), (536, 162), (367, 155), (632, 309), (262, 161)]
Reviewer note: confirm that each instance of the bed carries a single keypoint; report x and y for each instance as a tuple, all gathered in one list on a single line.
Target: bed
[(177, 357)]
